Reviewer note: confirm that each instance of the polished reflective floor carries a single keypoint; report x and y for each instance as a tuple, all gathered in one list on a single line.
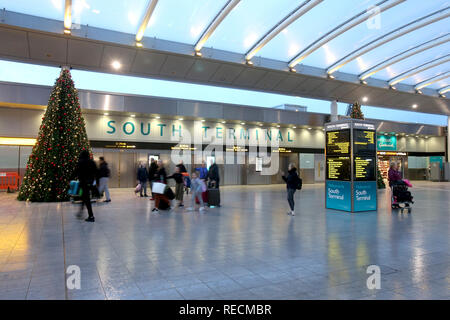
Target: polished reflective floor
[(247, 249)]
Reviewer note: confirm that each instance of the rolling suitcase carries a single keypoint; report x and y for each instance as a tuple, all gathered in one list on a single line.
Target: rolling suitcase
[(213, 197)]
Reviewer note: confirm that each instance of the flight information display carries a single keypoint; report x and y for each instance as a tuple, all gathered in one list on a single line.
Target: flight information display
[(364, 168), (338, 168), (364, 142), (338, 142)]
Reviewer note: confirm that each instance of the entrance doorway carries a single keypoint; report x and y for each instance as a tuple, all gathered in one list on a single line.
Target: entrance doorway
[(123, 166)]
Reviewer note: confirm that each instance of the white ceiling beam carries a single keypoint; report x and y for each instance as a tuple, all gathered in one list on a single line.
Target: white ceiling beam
[(283, 24), (342, 28), (68, 16), (416, 70), (404, 55), (444, 90), (390, 36), (146, 19), (432, 80), (230, 5)]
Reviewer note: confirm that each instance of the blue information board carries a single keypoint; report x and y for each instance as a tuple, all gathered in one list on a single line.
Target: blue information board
[(338, 195), (364, 195)]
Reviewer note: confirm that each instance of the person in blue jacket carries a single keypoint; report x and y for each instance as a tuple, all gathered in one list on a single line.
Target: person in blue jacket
[(203, 172)]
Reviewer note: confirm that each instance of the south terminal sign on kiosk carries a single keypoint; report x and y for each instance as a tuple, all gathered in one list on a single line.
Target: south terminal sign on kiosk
[(350, 150)]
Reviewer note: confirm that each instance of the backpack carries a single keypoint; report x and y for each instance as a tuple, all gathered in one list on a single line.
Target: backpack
[(299, 183)]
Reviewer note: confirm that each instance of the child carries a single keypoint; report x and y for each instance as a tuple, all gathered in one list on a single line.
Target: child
[(179, 187), (197, 187)]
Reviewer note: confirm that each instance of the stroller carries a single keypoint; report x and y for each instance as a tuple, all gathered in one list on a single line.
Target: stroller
[(400, 196)]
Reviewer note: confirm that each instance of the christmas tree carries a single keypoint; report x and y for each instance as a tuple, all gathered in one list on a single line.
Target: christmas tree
[(62, 136), (356, 112), (380, 181)]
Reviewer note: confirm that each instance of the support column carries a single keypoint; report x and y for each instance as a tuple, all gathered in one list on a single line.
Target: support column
[(334, 111)]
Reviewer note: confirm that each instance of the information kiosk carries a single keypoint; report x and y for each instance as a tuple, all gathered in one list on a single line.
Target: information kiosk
[(351, 166)]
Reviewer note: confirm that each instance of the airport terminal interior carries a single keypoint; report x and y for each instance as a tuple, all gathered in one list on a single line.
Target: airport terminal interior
[(315, 160)]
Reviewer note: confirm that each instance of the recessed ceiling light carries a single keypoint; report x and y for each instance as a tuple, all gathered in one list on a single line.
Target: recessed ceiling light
[(292, 70), (331, 76), (139, 44), (260, 124), (198, 53), (242, 123), (106, 114), (365, 99), (309, 128), (294, 127), (116, 65), (133, 115), (414, 106), (249, 62), (278, 126), (157, 117), (203, 120), (363, 81), (67, 31), (181, 119)]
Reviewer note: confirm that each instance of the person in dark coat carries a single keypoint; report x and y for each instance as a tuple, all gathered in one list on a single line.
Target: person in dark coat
[(161, 175), (181, 166), (142, 177), (292, 181), (86, 172), (103, 175), (213, 176), (152, 172)]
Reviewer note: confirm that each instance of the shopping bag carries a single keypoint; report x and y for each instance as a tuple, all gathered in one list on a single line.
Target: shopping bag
[(158, 187), (138, 188)]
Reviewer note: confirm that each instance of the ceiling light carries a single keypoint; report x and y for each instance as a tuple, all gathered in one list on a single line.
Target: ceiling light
[(242, 123), (260, 124), (203, 120), (106, 114), (223, 122), (198, 53), (116, 65), (443, 96), (393, 88), (292, 69), (249, 62), (330, 76), (363, 81), (414, 106), (139, 44), (67, 31), (294, 127), (426, 137), (181, 119), (278, 126), (133, 115), (157, 117), (365, 99), (419, 92)]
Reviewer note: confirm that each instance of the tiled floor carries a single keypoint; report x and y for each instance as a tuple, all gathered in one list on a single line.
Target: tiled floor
[(248, 249)]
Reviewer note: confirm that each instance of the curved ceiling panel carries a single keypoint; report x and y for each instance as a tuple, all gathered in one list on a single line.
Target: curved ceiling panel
[(248, 22), (182, 20), (364, 33)]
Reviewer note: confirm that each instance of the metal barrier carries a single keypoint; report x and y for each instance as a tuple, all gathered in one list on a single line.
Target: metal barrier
[(9, 181)]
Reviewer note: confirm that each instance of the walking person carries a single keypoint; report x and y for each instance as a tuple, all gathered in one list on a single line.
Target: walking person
[(197, 188), (151, 174), (179, 186), (103, 175), (213, 185), (86, 172), (159, 176), (293, 182), (142, 177)]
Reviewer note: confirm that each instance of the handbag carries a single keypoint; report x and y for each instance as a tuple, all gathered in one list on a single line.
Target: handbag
[(158, 187)]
